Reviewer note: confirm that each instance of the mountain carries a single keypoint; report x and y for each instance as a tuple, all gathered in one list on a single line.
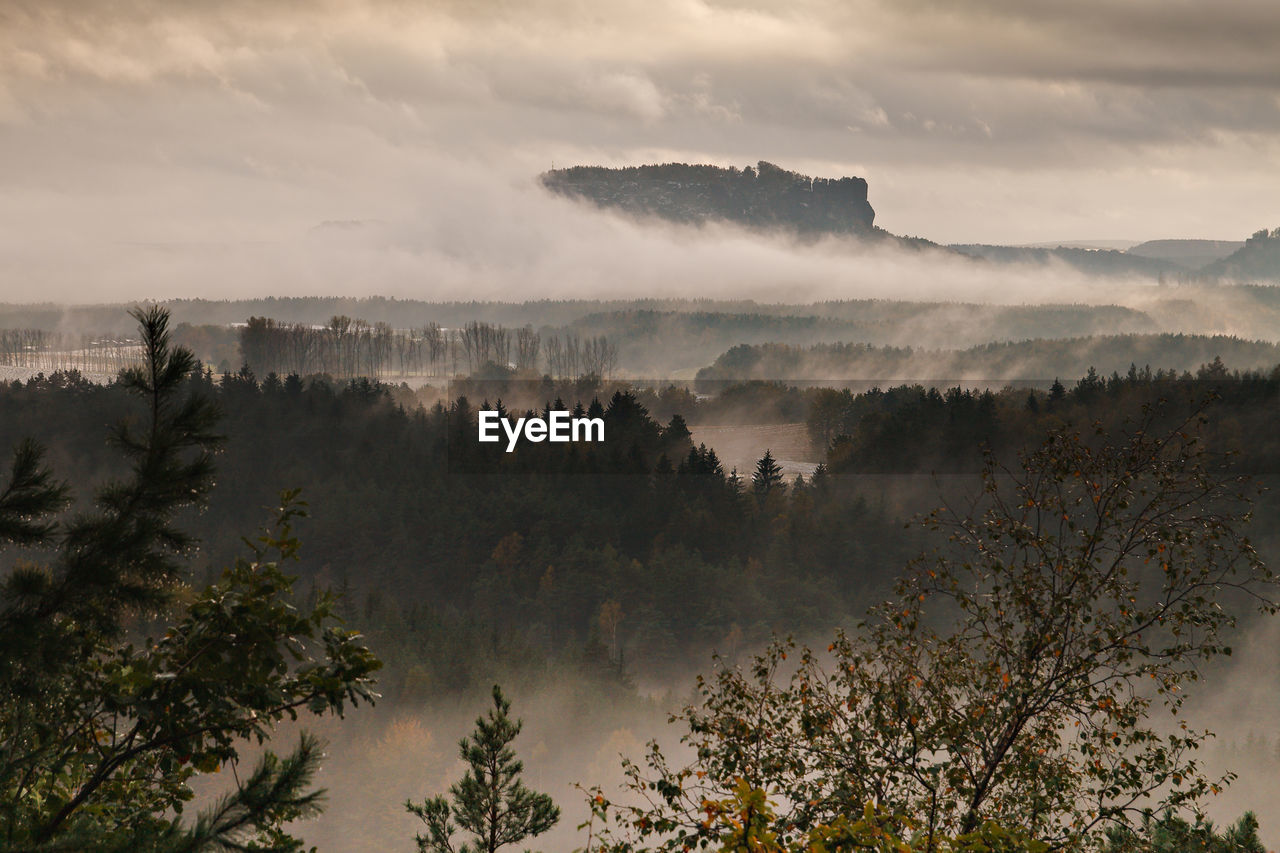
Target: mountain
[(1118, 245), (1089, 261), (1257, 260), (1191, 254), (766, 196), (769, 197)]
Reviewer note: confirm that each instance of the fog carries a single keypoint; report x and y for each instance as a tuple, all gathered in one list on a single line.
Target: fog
[(161, 150), (380, 757), (575, 736), (226, 150), (1238, 701), (480, 235)]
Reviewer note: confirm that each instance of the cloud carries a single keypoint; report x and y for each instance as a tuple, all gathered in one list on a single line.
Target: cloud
[(625, 92), (235, 123), (468, 232)]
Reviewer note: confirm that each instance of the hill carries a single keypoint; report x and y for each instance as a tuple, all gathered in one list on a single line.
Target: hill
[(1257, 260), (772, 198), (1034, 361), (1088, 261), (1191, 254), (766, 196)]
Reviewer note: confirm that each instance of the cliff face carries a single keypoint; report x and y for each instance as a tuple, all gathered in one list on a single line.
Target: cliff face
[(764, 197)]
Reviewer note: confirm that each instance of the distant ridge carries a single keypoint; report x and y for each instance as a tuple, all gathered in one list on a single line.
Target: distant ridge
[(1258, 260), (1192, 254), (1088, 261), (765, 196), (1117, 245), (1029, 360), (768, 197)]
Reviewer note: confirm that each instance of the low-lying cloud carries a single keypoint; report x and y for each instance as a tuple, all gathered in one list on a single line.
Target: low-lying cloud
[(474, 234), (239, 125)]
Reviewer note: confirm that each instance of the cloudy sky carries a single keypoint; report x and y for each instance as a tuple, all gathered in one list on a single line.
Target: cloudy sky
[(152, 148)]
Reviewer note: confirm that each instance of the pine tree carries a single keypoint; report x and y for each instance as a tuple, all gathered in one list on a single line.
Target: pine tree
[(710, 462), (100, 733), (490, 801), (676, 431), (820, 480), (768, 476), (1057, 393)]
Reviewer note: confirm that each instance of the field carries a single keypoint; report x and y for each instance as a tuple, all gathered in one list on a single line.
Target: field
[(742, 445)]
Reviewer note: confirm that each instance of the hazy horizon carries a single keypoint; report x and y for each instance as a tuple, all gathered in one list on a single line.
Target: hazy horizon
[(165, 150), (828, 384)]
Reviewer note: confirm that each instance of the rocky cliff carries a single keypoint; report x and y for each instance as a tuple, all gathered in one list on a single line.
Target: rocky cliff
[(765, 196)]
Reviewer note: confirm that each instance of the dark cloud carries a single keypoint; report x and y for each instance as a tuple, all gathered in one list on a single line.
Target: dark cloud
[(994, 120)]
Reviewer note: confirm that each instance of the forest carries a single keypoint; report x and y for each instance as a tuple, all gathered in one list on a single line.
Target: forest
[(1039, 360), (1099, 262), (424, 567), (656, 338), (347, 348), (711, 426)]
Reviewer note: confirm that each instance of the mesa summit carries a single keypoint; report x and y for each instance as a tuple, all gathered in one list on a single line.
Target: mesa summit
[(559, 427)]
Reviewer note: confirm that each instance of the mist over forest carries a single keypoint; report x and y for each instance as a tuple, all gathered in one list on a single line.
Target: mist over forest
[(639, 427), (759, 464)]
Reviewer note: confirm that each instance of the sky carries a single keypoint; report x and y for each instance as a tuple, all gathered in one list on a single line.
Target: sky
[(152, 148)]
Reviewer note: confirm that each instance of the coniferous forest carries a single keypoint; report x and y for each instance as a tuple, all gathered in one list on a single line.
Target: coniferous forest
[(401, 569), (633, 427)]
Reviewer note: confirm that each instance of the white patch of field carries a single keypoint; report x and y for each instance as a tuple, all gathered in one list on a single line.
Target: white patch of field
[(9, 373), (741, 446)]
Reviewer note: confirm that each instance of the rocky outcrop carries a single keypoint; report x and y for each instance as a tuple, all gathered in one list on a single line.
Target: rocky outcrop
[(763, 197)]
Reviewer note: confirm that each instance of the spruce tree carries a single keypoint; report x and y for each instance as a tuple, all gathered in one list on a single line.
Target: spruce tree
[(768, 475), (490, 801), (1057, 393), (102, 728)]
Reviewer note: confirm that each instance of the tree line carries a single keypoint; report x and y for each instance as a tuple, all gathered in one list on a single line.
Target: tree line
[(616, 559), (1028, 361), (346, 348), (87, 353), (907, 428)]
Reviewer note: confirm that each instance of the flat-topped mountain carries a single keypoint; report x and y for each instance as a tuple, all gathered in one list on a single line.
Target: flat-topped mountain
[(765, 196), (768, 197)]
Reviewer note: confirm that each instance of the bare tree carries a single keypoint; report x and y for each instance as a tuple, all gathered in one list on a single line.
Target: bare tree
[(527, 345)]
